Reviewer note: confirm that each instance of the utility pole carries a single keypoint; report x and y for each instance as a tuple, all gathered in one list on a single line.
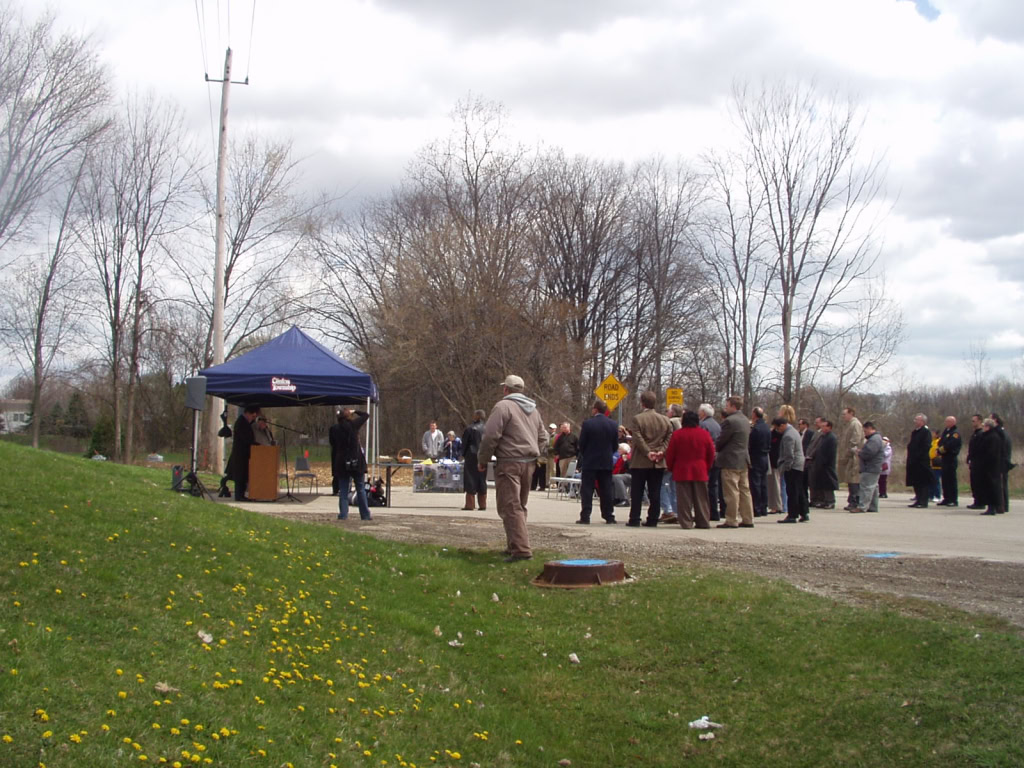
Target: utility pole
[(217, 405)]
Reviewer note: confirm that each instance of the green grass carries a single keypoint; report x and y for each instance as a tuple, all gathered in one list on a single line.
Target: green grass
[(324, 651)]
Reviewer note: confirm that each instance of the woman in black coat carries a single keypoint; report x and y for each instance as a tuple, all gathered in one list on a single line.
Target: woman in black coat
[(347, 460), (824, 478), (987, 462)]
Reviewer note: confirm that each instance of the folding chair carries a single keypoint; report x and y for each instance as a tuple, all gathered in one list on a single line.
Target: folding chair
[(303, 472), (567, 486)]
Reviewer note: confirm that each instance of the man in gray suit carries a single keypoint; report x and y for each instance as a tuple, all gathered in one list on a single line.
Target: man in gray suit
[(734, 461), (715, 499)]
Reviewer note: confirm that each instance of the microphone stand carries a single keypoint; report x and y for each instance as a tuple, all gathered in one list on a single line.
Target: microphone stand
[(284, 453)]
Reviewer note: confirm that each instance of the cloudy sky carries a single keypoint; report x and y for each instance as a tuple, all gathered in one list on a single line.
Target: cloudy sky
[(360, 85)]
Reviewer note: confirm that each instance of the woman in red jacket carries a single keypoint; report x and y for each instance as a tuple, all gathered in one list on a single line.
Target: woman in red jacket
[(689, 457)]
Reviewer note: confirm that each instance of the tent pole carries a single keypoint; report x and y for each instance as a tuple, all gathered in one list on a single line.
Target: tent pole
[(369, 442)]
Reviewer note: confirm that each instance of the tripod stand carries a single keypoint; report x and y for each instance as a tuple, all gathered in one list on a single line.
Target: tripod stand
[(195, 485)]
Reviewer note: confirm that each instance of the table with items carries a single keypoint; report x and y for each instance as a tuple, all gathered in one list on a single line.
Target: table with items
[(444, 476)]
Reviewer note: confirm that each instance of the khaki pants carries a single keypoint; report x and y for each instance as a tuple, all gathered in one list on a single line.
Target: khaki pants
[(512, 488), (563, 467), (774, 494), (739, 506)]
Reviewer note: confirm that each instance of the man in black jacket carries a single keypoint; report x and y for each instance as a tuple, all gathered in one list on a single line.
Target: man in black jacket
[(1007, 465), (824, 477), (972, 469), (758, 446), (566, 447), (598, 440), (347, 460), (919, 465), (949, 450), (241, 449)]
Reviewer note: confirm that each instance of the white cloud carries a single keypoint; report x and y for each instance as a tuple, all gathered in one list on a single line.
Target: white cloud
[(361, 85)]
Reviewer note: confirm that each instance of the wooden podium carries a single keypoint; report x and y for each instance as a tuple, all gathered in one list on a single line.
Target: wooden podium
[(263, 471)]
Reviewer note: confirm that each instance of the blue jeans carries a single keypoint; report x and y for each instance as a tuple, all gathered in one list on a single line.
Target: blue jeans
[(343, 486), (668, 494)]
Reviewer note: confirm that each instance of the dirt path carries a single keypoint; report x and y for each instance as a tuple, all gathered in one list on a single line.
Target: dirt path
[(911, 583)]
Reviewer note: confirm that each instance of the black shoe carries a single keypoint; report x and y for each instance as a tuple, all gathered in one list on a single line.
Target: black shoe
[(787, 520), (633, 524), (746, 525), (804, 519), (760, 514), (517, 558), (610, 521), (989, 512), (581, 521), (951, 504), (726, 525), (917, 506), (975, 506), (650, 524), (883, 495)]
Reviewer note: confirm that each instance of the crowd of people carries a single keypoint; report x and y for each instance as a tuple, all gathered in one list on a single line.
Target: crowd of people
[(693, 469), (690, 467)]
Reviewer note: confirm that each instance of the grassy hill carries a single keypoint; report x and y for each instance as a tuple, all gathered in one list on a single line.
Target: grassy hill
[(138, 626)]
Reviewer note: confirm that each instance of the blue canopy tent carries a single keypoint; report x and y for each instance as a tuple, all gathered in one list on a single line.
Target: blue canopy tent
[(292, 369)]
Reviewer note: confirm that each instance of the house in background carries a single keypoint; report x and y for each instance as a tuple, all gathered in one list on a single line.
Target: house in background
[(14, 415)]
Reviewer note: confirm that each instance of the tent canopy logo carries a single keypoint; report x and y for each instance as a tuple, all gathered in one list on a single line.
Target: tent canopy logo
[(281, 384)]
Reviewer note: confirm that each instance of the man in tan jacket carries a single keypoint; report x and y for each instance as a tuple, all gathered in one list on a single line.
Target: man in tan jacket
[(651, 433), (849, 464), (515, 436)]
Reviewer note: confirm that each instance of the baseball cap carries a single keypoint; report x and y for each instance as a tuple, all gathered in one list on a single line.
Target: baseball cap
[(513, 382), (552, 426)]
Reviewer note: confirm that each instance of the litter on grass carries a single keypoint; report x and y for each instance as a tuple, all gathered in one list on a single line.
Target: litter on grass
[(704, 723)]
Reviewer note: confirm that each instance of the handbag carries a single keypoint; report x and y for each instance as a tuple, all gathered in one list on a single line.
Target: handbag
[(351, 465)]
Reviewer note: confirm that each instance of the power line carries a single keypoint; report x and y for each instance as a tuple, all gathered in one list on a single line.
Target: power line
[(202, 38), (252, 26)]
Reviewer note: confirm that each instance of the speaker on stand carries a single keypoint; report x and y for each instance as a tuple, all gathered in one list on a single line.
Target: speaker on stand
[(195, 399)]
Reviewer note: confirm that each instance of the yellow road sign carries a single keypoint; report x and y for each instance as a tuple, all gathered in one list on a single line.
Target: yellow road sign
[(612, 391), (673, 396)]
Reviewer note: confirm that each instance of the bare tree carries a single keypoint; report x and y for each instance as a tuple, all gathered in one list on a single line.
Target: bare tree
[(267, 221), (39, 308), (977, 360), (433, 284), (666, 305), (581, 207), (52, 94), (134, 195), (859, 343), (803, 149), (741, 270)]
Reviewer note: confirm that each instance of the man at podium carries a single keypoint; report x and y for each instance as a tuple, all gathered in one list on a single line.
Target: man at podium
[(241, 448)]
